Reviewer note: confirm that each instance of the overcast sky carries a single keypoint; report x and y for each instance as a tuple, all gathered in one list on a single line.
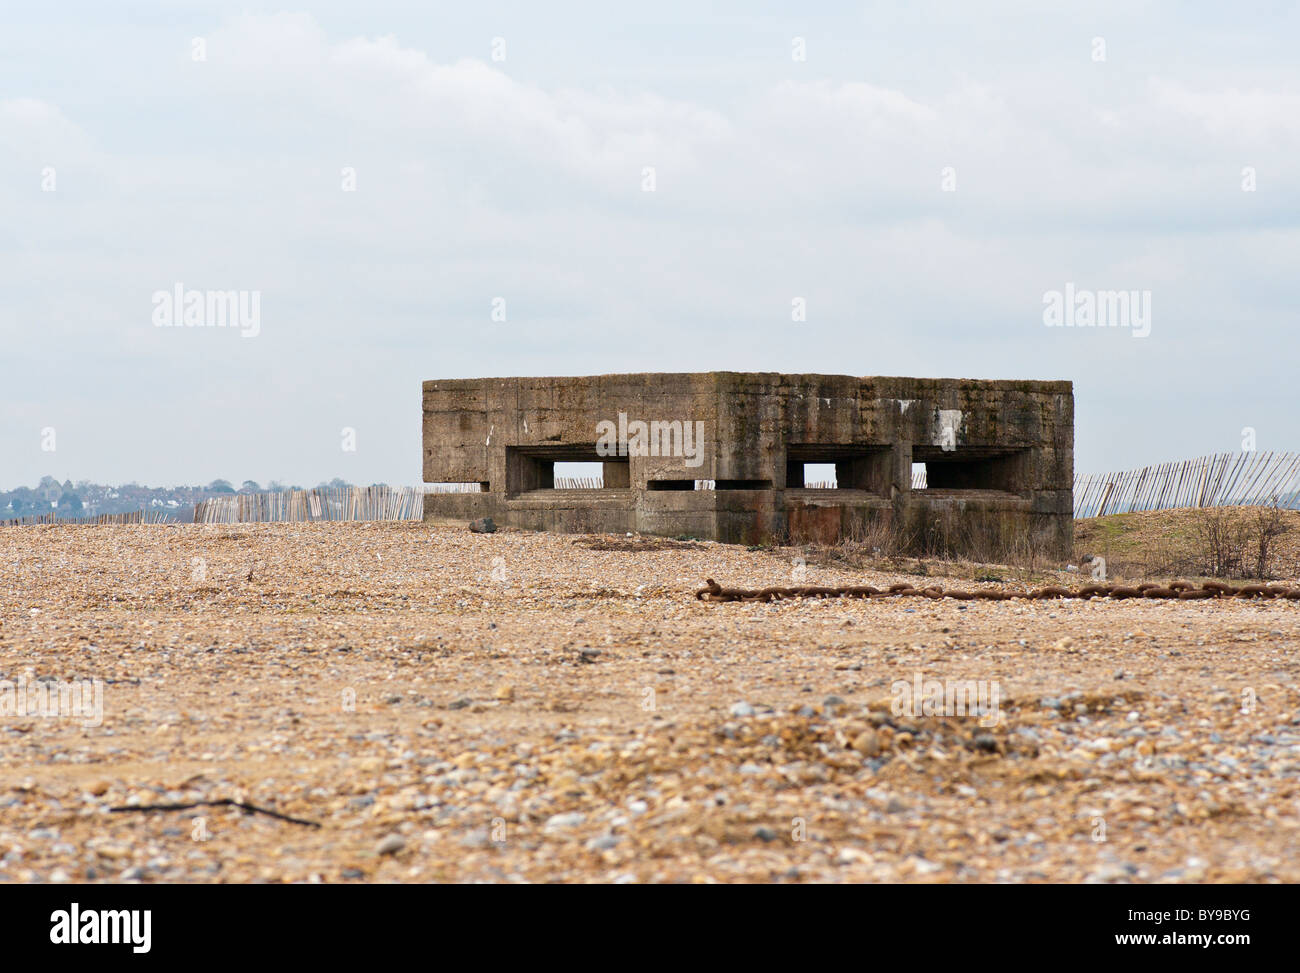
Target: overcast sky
[(921, 178)]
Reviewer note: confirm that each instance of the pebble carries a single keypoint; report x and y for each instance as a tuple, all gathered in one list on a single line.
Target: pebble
[(563, 822), (867, 743), (1106, 874)]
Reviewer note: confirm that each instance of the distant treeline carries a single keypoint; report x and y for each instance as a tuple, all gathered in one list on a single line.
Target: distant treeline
[(51, 500)]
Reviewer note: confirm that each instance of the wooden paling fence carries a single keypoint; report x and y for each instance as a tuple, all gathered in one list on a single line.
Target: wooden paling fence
[(325, 503), (579, 482), (1222, 480), (134, 517)]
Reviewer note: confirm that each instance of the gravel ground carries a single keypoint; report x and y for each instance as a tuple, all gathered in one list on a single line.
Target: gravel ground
[(527, 707)]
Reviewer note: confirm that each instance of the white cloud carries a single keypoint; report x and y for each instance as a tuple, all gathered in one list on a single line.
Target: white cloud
[(1268, 116)]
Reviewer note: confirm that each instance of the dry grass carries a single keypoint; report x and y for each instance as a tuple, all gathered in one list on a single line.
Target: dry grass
[(638, 543), (1223, 542), (1233, 542), (944, 548)]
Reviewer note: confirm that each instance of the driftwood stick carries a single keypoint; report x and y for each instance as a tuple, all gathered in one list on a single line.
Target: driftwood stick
[(225, 801)]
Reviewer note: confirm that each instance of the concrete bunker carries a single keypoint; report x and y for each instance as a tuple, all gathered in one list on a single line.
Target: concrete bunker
[(725, 455)]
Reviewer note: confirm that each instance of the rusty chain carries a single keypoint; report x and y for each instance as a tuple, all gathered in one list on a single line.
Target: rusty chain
[(1175, 590)]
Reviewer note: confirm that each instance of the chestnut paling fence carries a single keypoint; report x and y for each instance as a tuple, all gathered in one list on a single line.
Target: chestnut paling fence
[(1265, 479), (320, 504), (132, 517)]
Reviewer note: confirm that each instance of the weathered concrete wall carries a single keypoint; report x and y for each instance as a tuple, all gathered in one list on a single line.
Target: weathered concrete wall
[(1000, 455)]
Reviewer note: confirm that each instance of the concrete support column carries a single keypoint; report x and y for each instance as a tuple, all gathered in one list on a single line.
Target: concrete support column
[(616, 475)]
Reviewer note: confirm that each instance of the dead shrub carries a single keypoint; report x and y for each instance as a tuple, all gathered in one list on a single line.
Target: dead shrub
[(1266, 526), (1221, 543)]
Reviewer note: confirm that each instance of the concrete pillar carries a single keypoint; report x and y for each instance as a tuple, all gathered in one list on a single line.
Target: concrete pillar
[(616, 475)]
